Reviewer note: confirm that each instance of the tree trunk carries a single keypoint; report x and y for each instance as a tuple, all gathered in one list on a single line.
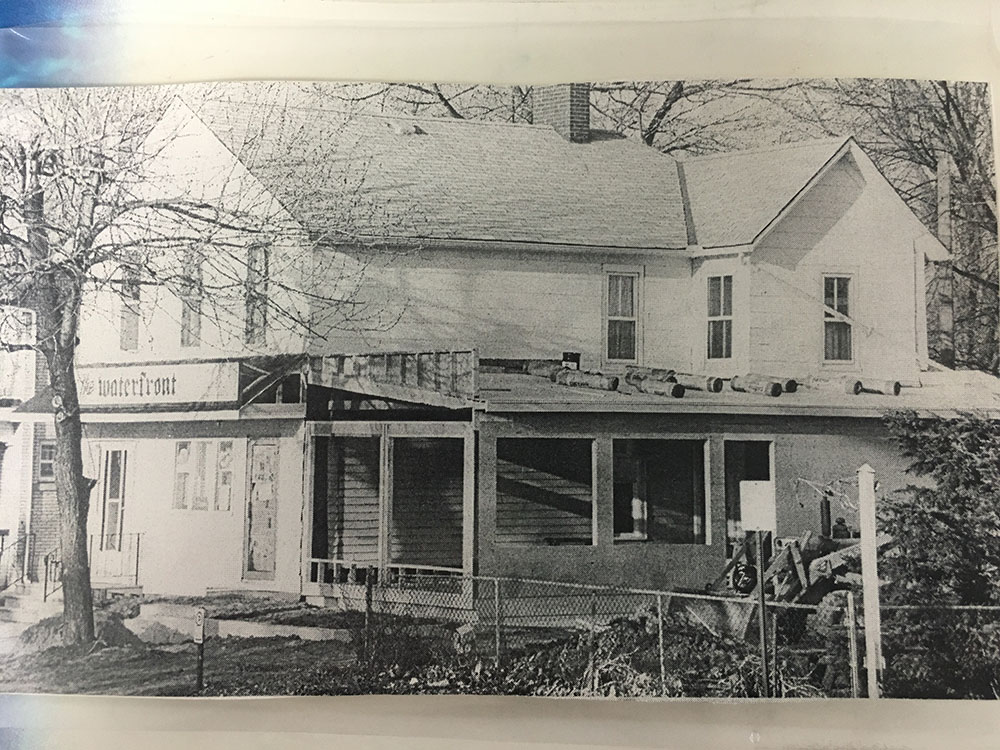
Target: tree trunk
[(73, 491)]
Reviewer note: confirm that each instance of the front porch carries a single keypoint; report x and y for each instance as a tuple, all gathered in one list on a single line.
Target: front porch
[(393, 504)]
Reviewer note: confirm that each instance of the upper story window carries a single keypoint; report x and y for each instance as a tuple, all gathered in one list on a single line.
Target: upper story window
[(47, 462), (720, 317), (837, 322), (191, 300), (622, 316), (258, 267), (129, 330)]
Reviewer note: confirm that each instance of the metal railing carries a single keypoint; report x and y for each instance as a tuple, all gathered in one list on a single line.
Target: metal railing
[(53, 574), (333, 571), (114, 560), (15, 560)]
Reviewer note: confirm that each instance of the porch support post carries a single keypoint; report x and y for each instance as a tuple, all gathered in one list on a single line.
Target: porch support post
[(715, 488), (486, 519), (384, 499), (604, 492), (308, 503), (469, 503)]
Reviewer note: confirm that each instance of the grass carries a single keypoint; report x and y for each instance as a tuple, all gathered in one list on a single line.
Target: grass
[(233, 666)]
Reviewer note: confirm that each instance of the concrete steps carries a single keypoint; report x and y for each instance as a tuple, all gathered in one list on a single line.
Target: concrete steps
[(23, 603)]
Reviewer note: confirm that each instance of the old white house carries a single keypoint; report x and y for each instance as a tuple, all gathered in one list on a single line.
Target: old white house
[(279, 460)]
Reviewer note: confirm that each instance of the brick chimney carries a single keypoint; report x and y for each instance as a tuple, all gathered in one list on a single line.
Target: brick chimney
[(564, 106)]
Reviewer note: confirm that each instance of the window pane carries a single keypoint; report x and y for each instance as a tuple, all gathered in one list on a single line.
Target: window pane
[(111, 517), (621, 339), (544, 491), (621, 296), (727, 295), (660, 490), (114, 474), (714, 296), (838, 340), (720, 339), (190, 321), (842, 296), (829, 292)]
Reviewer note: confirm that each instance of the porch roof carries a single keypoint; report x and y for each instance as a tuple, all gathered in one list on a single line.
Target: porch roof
[(940, 393)]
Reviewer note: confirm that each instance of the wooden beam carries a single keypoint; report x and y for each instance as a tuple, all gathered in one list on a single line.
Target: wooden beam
[(603, 493), (469, 502)]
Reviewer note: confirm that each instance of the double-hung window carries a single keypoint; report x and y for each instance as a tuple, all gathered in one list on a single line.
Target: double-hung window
[(191, 299), (47, 461), (130, 293), (837, 323), (622, 317), (258, 270), (720, 317)]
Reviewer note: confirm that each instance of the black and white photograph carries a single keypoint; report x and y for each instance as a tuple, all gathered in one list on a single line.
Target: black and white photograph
[(626, 389)]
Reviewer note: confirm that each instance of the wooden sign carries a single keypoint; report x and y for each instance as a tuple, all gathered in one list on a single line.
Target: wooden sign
[(182, 383)]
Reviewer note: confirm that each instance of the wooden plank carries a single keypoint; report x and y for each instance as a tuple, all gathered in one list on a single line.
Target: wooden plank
[(799, 566)]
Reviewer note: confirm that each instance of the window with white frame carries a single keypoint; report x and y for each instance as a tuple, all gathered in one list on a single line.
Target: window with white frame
[(837, 323), (47, 461), (622, 316), (720, 317), (203, 475)]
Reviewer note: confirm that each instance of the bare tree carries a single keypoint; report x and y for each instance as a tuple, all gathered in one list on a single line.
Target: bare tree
[(110, 201), (459, 101), (908, 127)]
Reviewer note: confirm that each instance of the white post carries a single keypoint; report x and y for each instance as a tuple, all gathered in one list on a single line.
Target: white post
[(869, 577)]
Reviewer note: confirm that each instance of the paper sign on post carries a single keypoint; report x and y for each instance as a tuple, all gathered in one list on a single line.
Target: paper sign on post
[(757, 506), (199, 625)]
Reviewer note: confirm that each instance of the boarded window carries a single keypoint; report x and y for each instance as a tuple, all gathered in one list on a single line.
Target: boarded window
[(224, 476), (622, 317), (720, 317), (837, 344), (544, 491), (659, 490)]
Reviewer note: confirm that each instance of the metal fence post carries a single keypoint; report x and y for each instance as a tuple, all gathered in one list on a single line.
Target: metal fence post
[(496, 617), (659, 628), (592, 644), (852, 643), (368, 641)]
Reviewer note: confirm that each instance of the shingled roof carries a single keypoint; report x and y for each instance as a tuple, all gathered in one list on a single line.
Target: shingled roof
[(449, 179), (734, 196)]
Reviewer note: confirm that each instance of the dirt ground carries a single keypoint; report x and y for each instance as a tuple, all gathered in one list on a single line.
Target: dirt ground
[(233, 666)]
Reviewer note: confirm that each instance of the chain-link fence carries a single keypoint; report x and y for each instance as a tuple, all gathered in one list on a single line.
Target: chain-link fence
[(505, 635)]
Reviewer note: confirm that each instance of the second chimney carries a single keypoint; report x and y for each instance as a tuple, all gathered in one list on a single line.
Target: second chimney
[(565, 107)]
